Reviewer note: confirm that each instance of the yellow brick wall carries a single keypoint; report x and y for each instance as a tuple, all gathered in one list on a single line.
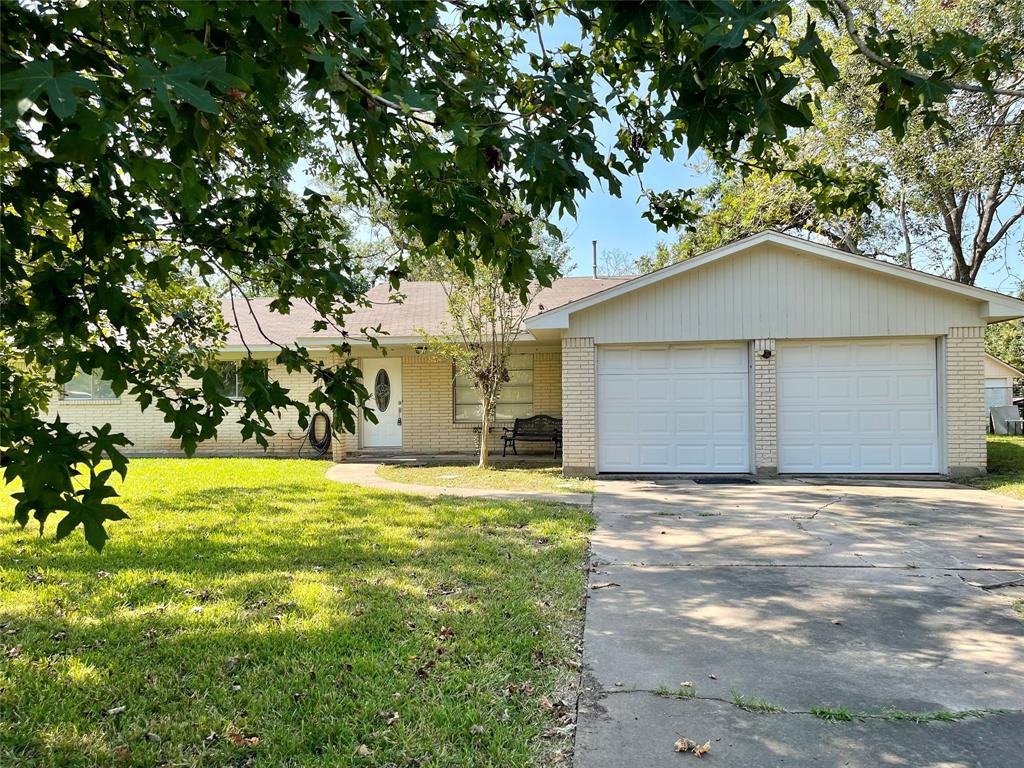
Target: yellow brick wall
[(766, 432), (579, 391), (151, 435), (966, 419), (428, 426)]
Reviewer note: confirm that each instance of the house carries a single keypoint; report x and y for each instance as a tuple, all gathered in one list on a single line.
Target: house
[(999, 376), (769, 355)]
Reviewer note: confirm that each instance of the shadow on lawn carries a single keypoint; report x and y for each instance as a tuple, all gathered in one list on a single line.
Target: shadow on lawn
[(264, 612), (1006, 455)]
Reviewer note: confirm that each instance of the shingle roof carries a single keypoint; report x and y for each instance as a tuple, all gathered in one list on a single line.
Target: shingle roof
[(424, 307)]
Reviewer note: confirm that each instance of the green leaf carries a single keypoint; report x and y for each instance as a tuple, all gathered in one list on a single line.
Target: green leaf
[(30, 81)]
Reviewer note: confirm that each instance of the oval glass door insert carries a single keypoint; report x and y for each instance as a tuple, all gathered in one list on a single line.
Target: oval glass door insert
[(382, 390)]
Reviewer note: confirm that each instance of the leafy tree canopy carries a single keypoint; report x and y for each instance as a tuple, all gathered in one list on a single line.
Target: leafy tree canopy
[(142, 141), (949, 192)]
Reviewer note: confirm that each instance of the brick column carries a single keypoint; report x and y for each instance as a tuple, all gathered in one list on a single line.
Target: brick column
[(766, 431), (579, 395), (965, 401)]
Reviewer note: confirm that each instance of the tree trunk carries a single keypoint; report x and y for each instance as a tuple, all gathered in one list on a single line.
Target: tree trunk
[(485, 425)]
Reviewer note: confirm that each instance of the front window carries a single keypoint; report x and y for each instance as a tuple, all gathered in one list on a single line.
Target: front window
[(88, 386), (229, 373), (514, 402)]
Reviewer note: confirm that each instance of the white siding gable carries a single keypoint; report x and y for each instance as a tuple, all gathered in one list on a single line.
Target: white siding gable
[(772, 291)]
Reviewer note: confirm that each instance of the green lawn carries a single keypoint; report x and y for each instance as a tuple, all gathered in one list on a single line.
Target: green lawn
[(1005, 466), (504, 476), (252, 613)]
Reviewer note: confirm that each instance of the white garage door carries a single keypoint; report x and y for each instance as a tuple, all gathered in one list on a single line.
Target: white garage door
[(673, 409), (858, 406)]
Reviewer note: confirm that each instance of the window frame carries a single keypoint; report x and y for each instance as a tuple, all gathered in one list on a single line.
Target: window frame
[(478, 420), (238, 397), (95, 377)]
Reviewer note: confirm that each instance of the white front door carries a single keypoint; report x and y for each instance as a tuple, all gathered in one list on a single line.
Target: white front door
[(383, 379), (678, 408), (858, 406)]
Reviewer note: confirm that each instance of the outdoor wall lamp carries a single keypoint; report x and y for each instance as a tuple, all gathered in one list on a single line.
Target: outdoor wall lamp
[(766, 353)]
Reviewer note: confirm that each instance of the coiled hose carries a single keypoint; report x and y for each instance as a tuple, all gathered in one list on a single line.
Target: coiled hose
[(318, 436)]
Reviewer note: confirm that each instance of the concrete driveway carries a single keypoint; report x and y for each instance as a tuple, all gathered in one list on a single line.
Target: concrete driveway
[(858, 598)]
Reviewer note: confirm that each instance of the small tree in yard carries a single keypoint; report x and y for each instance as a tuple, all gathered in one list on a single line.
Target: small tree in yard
[(485, 322)]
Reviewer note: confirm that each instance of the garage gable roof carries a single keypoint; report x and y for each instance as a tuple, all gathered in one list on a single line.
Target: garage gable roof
[(996, 307), (1009, 369)]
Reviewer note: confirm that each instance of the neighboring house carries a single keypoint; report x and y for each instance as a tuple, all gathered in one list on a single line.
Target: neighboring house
[(999, 376), (771, 354)]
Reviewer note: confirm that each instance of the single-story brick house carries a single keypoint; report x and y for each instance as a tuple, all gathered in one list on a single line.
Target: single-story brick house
[(771, 354)]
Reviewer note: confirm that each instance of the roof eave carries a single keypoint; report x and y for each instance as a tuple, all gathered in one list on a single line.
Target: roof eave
[(996, 307)]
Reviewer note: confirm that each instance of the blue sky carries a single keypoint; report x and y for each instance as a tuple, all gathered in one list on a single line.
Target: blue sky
[(617, 222)]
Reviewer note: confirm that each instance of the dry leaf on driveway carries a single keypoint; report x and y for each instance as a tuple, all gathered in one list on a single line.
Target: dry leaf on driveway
[(605, 585), (684, 745)]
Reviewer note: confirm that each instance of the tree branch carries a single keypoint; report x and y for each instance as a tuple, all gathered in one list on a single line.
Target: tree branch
[(881, 61)]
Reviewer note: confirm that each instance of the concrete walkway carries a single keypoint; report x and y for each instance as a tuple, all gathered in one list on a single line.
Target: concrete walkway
[(794, 596), (364, 473)]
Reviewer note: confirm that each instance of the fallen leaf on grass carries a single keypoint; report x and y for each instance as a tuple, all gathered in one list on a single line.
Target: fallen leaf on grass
[(115, 711), (123, 752), (364, 751), (390, 718), (477, 730), (241, 740)]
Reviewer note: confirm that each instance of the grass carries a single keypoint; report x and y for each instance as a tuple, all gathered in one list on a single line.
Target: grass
[(504, 477), (253, 613), (684, 691), (1005, 466), (754, 703), (941, 716), (834, 714)]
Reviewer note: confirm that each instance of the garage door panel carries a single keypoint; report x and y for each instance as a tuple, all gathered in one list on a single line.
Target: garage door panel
[(874, 423), (690, 388), (691, 422), (733, 388), (732, 358), (652, 359), (833, 421), (689, 359), (875, 387), (689, 405), (655, 456), (917, 421), (653, 390), (654, 423), (915, 387), (922, 455), (877, 456), (729, 423), (858, 406)]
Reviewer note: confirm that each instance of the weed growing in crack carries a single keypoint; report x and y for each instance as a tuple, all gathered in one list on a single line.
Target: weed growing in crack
[(754, 703), (834, 714), (684, 691), (941, 716)]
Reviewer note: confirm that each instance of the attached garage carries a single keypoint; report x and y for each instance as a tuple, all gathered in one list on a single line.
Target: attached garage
[(673, 408), (774, 354), (858, 406)]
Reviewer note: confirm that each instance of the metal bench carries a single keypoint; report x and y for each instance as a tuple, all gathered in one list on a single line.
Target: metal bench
[(533, 429)]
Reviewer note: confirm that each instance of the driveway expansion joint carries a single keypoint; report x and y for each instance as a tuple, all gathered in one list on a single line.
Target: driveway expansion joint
[(861, 716)]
